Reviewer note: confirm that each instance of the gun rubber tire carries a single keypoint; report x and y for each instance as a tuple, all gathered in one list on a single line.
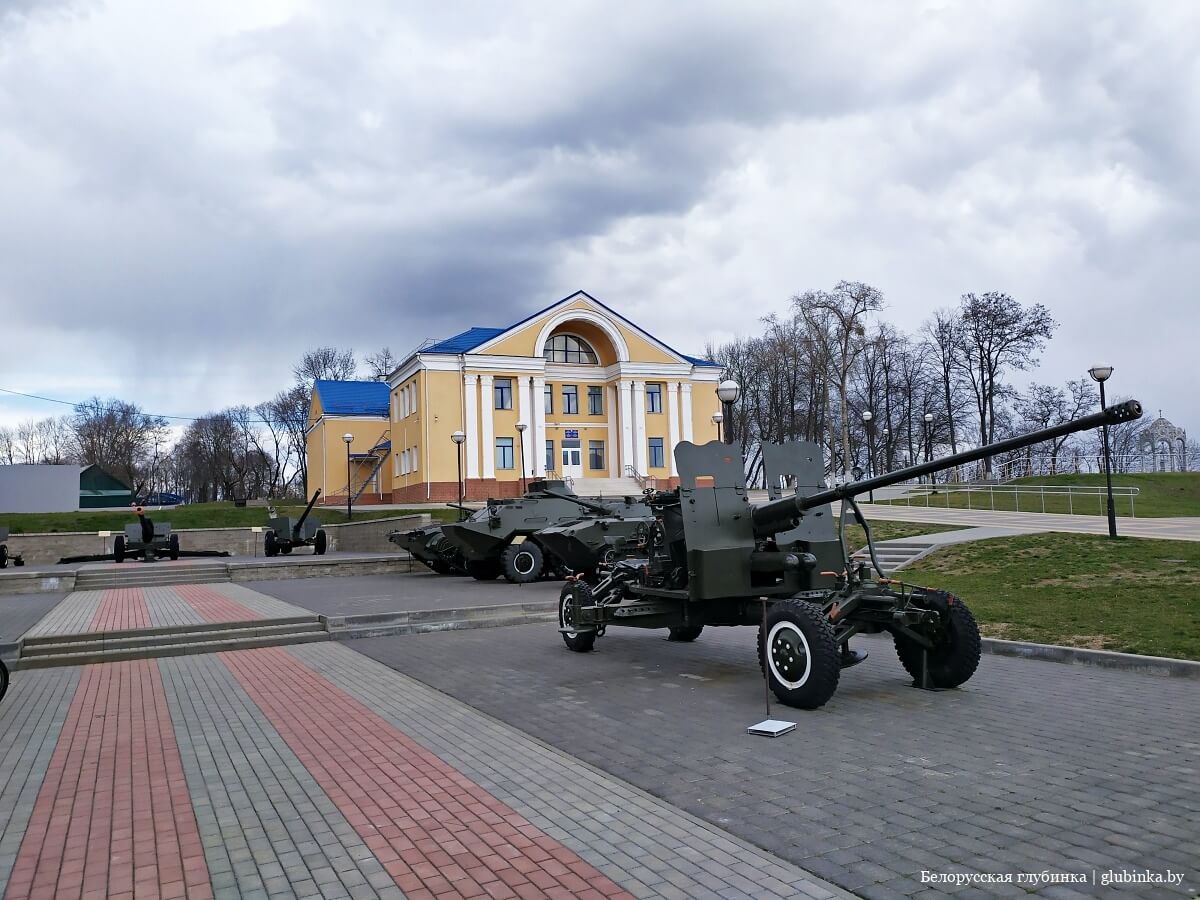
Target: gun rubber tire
[(484, 569), (794, 625), (955, 656), (173, 546), (320, 542), (522, 562), (579, 641), (270, 547), (119, 548), (684, 633), (3, 556), (3, 679)]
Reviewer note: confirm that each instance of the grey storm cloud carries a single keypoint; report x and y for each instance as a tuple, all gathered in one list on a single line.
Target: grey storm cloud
[(239, 182)]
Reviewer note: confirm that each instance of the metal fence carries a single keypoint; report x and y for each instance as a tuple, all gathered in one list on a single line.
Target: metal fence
[(1055, 498)]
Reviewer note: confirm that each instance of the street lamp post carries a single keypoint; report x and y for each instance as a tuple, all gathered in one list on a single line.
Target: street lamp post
[(728, 392), (521, 426), (1100, 374), (348, 437), (717, 420), (867, 418), (458, 437), (928, 422), (887, 450)]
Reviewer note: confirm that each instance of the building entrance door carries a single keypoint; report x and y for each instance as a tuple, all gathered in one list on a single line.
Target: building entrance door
[(572, 458)]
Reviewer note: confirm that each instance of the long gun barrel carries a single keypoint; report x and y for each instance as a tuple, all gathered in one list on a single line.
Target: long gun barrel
[(300, 524), (598, 508), (782, 514)]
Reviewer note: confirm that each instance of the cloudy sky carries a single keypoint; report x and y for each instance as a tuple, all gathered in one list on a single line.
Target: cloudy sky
[(203, 191)]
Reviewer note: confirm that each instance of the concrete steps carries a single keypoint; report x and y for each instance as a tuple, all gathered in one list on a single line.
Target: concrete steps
[(607, 487), (48, 651), (135, 574), (895, 555)]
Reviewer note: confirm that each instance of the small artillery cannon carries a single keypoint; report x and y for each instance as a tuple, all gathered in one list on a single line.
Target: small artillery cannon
[(489, 544), (5, 556), (711, 558), (283, 537), (149, 539)]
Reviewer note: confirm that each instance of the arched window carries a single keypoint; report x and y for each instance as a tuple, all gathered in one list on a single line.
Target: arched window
[(566, 348)]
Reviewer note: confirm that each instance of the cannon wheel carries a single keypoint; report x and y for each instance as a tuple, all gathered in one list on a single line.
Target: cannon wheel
[(320, 542), (955, 656), (119, 548), (579, 641), (802, 662), (684, 632), (522, 562), (3, 679), (173, 546), (483, 569), (270, 547), (3, 556)]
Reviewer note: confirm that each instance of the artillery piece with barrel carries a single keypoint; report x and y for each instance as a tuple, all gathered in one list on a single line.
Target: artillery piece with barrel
[(151, 540), (283, 537), (5, 556), (505, 540), (712, 558)]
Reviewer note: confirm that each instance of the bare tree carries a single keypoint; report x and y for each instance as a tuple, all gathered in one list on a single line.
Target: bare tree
[(942, 337), (118, 437), (997, 333), (325, 363), (381, 364), (8, 446), (1044, 406), (289, 412)]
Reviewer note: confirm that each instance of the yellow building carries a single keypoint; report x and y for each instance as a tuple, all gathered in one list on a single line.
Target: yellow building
[(604, 404)]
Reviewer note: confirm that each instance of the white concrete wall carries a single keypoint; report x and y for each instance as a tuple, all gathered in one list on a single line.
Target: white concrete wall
[(39, 489)]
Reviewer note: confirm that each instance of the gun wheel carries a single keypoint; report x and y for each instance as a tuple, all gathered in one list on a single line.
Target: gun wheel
[(522, 562), (800, 658), (579, 641), (3, 679), (119, 548), (173, 547), (684, 633), (3, 556), (320, 542), (955, 654)]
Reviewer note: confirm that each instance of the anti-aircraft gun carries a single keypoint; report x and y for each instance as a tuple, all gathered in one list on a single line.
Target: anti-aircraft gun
[(489, 543), (5, 556), (282, 536), (712, 558)]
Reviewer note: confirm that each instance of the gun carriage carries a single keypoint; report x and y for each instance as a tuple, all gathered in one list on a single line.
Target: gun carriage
[(148, 539), (710, 557), (5, 556), (282, 536)]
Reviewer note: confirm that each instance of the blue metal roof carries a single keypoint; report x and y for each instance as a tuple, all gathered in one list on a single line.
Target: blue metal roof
[(465, 341), (697, 361), (353, 398)]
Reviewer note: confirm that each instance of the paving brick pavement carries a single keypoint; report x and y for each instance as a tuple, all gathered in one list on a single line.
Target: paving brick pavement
[(1031, 766), (73, 615), (120, 609)]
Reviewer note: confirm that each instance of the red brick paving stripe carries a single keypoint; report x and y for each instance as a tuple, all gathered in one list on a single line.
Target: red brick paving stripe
[(214, 606), (113, 814), (121, 609), (435, 831)]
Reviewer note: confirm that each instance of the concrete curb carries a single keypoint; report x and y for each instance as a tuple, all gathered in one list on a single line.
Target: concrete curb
[(422, 621), (1105, 659)]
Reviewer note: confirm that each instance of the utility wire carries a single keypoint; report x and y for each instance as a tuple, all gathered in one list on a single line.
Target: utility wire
[(154, 415)]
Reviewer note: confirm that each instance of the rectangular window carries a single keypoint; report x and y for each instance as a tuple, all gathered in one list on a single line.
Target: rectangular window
[(504, 453), (549, 392), (412, 398), (653, 398), (570, 400), (595, 401), (595, 454), (414, 458), (656, 453), (549, 456), (502, 389)]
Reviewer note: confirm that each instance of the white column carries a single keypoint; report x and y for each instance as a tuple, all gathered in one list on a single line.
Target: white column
[(488, 440), (471, 426), (611, 410), (686, 390), (672, 423), (640, 451), (626, 403), (539, 424)]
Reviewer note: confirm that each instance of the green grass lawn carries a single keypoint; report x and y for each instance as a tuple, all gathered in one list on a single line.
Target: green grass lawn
[(1159, 494), (1131, 595), (193, 515), (886, 531)]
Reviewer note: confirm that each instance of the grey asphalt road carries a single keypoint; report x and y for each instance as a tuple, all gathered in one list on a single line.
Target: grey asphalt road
[(20, 612), (1030, 767)]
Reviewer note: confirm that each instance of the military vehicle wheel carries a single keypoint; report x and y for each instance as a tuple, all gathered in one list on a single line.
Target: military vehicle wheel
[(955, 656), (579, 641), (270, 547), (3, 679), (3, 556), (483, 569), (802, 661), (522, 562), (320, 542), (119, 548), (440, 566), (684, 632), (173, 546)]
